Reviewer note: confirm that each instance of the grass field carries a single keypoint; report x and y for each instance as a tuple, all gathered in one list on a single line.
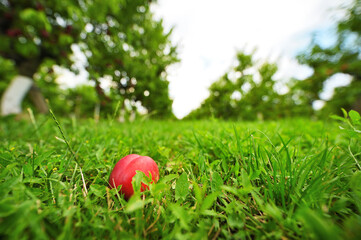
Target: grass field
[(290, 179)]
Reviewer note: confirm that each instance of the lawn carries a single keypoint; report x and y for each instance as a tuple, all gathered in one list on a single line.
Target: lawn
[(289, 179)]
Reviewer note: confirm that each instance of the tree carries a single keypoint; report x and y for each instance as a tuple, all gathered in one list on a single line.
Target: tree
[(120, 39), (247, 92), (133, 49), (342, 57)]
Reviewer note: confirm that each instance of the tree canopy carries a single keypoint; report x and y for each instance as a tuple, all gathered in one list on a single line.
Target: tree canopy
[(121, 40), (248, 91), (341, 57)]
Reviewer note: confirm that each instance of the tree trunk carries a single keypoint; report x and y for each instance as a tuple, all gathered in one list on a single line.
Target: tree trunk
[(38, 99), (29, 68)]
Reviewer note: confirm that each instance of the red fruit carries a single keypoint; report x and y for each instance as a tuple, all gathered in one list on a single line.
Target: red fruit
[(44, 33), (13, 32), (8, 15), (118, 61), (68, 29), (125, 169), (63, 53), (329, 71), (344, 67), (39, 7)]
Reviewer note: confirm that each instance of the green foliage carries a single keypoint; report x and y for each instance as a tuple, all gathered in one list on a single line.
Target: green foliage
[(290, 179), (352, 122), (83, 100), (341, 57), (134, 50), (182, 185), (249, 92), (7, 72), (120, 40), (352, 126)]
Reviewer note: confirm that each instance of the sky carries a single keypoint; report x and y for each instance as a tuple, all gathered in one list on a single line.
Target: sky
[(210, 32)]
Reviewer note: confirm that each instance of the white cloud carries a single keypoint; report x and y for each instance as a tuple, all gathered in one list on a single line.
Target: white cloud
[(210, 31)]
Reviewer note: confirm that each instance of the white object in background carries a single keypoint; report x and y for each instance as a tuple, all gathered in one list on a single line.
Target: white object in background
[(14, 95)]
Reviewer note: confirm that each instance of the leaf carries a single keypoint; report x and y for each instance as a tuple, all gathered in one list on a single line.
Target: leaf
[(99, 154), (158, 188), (354, 116), (28, 169), (224, 165), (208, 201), (44, 156), (198, 193), (245, 179), (322, 228), (135, 203), (212, 213), (180, 213), (181, 188), (214, 163), (5, 159), (168, 178), (27, 49), (234, 220), (217, 182), (201, 163), (229, 189), (28, 15), (6, 208), (344, 112), (98, 190), (338, 118), (236, 168), (355, 182), (273, 211), (65, 40), (165, 152), (356, 188), (5, 43), (137, 180), (7, 185)]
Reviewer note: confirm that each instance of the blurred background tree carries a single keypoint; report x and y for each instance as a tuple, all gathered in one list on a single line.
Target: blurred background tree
[(343, 57), (249, 92), (122, 43)]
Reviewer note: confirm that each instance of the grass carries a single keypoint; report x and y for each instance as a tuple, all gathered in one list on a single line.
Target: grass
[(290, 179)]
